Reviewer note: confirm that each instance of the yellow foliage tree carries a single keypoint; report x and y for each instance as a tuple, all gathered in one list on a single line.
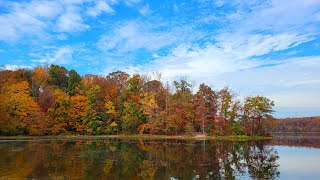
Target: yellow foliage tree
[(111, 109), (149, 104), (150, 110), (77, 112), (58, 112), (22, 114)]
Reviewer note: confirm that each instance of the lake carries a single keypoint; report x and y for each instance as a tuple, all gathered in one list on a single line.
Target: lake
[(286, 158)]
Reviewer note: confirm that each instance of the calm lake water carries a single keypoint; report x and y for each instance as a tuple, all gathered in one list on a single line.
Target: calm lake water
[(159, 159)]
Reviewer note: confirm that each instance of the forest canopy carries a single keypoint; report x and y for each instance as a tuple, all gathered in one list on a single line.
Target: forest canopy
[(51, 100)]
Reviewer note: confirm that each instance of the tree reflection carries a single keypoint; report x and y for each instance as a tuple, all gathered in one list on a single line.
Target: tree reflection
[(123, 159), (261, 161)]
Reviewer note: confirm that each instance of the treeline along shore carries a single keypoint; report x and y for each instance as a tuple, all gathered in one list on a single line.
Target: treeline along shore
[(302, 125), (51, 100)]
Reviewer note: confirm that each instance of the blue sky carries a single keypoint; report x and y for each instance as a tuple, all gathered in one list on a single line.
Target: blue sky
[(267, 47)]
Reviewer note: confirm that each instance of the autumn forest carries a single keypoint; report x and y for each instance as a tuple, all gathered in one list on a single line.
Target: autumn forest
[(51, 100)]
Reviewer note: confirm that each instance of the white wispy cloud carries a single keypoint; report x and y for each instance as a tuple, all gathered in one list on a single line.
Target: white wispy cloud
[(229, 49), (71, 22), (41, 18), (32, 19), (246, 45), (13, 67), (145, 10), (100, 7), (20, 23), (62, 55), (134, 35), (131, 2), (275, 15), (230, 53), (292, 76), (41, 9)]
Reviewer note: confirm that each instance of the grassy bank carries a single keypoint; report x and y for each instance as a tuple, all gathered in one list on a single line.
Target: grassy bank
[(137, 137)]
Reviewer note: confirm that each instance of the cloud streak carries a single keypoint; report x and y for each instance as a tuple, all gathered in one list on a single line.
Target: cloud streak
[(99, 8), (133, 35), (62, 55)]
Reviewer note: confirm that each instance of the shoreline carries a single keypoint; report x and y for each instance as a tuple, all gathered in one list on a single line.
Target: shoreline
[(136, 137)]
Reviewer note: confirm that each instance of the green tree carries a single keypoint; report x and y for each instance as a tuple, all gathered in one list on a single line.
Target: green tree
[(58, 76), (132, 114), (257, 109), (132, 117), (74, 83), (93, 120)]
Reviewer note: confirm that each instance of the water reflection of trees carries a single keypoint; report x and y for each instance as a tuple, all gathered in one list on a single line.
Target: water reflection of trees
[(111, 159)]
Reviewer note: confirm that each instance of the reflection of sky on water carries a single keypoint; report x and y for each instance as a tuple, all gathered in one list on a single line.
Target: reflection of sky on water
[(298, 162)]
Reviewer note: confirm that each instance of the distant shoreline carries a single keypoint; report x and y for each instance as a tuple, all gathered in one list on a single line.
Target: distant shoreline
[(137, 137)]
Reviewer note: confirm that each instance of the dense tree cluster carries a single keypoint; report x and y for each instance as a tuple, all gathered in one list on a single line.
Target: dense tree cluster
[(53, 100), (296, 125)]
